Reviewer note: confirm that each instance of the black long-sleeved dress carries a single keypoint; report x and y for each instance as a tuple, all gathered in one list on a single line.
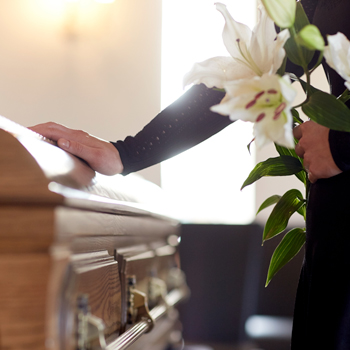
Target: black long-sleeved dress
[(322, 309)]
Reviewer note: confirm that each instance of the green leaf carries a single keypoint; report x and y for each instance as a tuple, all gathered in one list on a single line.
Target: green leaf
[(311, 38), (327, 110), (300, 22), (296, 117), (217, 89), (288, 204), (302, 211), (302, 176), (282, 12), (288, 248), (249, 145), (345, 96), (292, 51), (301, 19), (282, 151), (269, 201), (279, 166), (312, 89), (291, 46)]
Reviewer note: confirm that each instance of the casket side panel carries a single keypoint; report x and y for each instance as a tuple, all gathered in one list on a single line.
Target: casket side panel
[(23, 296)]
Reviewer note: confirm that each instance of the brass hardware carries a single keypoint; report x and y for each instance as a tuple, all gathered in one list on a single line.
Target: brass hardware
[(176, 278), (89, 328), (157, 291), (137, 305), (90, 334), (141, 327)]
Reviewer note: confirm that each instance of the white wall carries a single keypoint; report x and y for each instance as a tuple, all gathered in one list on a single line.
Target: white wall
[(95, 67)]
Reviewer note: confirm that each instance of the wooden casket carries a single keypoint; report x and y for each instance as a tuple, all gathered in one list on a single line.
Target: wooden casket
[(84, 262)]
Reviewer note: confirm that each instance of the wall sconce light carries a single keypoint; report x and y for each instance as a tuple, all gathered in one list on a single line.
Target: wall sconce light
[(84, 16)]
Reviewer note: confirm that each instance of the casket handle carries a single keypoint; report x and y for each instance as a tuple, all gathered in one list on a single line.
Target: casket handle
[(89, 326), (143, 326)]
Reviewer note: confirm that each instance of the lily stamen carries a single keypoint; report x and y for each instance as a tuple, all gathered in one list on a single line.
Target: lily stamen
[(260, 117), (280, 108), (276, 116), (250, 104), (258, 95), (249, 62)]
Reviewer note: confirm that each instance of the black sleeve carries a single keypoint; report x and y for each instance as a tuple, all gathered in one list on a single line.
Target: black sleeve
[(339, 142), (331, 17), (182, 125), (185, 123)]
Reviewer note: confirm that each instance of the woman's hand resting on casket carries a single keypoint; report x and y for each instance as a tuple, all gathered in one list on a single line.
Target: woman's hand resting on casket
[(101, 155), (314, 147)]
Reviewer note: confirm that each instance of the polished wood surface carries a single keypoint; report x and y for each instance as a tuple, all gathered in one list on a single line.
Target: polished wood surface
[(67, 233), (21, 179), (96, 275), (24, 282)]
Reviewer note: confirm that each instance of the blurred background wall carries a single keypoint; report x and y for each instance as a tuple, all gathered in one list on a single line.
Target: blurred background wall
[(89, 65)]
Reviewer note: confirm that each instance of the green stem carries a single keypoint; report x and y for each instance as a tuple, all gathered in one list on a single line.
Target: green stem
[(296, 117), (319, 61), (345, 96), (293, 34), (307, 94), (300, 104)]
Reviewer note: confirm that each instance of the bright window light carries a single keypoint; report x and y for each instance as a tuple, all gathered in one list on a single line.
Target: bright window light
[(204, 182)]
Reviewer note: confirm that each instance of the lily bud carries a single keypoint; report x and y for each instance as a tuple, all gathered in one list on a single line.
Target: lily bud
[(311, 38), (282, 12)]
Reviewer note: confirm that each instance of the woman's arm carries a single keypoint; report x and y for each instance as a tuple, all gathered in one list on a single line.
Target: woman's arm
[(185, 123), (101, 155), (182, 125)]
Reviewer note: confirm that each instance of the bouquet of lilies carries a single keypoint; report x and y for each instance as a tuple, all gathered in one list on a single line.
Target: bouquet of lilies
[(258, 89)]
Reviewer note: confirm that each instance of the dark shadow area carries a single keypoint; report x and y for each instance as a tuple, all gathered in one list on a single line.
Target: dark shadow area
[(226, 268)]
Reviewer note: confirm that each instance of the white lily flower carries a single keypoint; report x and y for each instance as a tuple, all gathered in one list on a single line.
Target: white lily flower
[(266, 101), (337, 55), (253, 53)]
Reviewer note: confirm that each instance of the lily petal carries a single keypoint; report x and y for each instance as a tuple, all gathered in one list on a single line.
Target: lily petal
[(266, 101), (215, 72), (253, 53), (278, 53), (337, 55), (232, 32), (279, 131), (263, 34)]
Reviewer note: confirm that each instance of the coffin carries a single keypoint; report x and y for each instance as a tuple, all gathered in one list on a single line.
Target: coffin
[(86, 261)]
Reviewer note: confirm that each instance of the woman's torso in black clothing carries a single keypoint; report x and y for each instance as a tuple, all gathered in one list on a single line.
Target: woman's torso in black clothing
[(322, 311)]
